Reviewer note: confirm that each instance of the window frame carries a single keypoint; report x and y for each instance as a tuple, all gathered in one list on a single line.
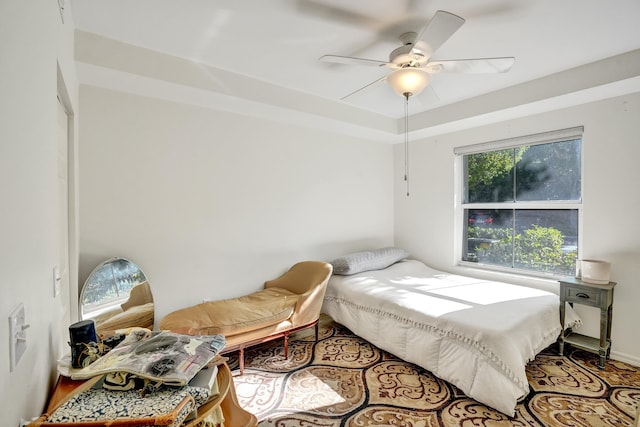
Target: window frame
[(460, 205)]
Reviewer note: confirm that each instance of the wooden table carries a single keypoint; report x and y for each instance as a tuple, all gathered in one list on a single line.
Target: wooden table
[(234, 415)]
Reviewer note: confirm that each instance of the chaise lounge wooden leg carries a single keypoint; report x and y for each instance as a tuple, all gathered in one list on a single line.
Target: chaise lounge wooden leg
[(283, 334), (286, 345)]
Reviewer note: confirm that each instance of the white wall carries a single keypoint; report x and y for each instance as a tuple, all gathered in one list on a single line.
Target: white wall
[(33, 43), (211, 204), (425, 221)]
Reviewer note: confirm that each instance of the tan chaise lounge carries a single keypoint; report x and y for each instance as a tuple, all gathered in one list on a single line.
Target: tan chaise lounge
[(137, 311), (287, 304)]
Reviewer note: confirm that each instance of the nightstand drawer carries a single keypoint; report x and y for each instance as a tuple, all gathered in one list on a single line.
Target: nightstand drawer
[(584, 296)]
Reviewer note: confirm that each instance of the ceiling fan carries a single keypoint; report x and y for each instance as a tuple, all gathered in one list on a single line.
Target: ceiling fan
[(411, 63)]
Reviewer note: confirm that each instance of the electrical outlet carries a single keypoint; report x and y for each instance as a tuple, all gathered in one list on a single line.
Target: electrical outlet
[(17, 335)]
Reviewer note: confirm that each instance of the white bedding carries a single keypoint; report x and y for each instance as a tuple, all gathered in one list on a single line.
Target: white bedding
[(476, 334)]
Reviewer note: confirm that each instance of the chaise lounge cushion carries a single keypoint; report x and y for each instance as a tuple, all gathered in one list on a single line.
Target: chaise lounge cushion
[(234, 316), (140, 316), (291, 302)]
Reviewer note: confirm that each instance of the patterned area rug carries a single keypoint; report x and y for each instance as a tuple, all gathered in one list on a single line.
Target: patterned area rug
[(342, 380)]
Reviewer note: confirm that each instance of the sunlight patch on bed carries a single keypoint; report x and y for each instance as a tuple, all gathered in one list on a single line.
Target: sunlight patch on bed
[(489, 293), (466, 289), (432, 305)]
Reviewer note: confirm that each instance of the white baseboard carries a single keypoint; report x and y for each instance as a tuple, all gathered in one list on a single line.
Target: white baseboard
[(627, 358)]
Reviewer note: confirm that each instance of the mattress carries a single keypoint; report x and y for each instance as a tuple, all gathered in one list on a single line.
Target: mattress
[(476, 334)]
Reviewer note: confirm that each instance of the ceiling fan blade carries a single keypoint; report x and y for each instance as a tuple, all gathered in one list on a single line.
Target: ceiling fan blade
[(350, 60), (472, 66), (344, 13), (365, 88), (437, 31)]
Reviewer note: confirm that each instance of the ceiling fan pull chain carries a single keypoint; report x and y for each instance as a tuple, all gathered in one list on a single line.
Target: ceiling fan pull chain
[(406, 140)]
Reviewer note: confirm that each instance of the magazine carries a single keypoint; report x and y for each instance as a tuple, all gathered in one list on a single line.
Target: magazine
[(164, 357)]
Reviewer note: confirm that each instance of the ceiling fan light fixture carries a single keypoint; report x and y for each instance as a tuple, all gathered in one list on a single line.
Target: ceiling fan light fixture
[(408, 80)]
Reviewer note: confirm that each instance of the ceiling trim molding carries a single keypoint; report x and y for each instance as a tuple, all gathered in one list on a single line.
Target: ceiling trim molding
[(579, 80), (108, 78), (110, 54), (115, 65)]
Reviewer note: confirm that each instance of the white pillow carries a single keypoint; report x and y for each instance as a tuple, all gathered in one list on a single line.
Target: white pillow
[(377, 259)]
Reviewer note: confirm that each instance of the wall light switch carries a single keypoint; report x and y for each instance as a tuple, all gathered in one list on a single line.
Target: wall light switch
[(17, 335)]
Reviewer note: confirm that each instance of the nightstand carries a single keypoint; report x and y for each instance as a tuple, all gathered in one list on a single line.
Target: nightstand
[(576, 291)]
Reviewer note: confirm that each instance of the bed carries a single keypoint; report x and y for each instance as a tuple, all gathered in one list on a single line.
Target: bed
[(476, 334)]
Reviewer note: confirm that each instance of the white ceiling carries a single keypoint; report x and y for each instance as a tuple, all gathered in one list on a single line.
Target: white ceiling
[(273, 47)]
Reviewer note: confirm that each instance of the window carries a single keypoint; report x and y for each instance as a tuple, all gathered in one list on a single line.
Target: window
[(521, 202)]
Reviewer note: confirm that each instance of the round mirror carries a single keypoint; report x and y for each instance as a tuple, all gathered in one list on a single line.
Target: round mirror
[(117, 295)]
